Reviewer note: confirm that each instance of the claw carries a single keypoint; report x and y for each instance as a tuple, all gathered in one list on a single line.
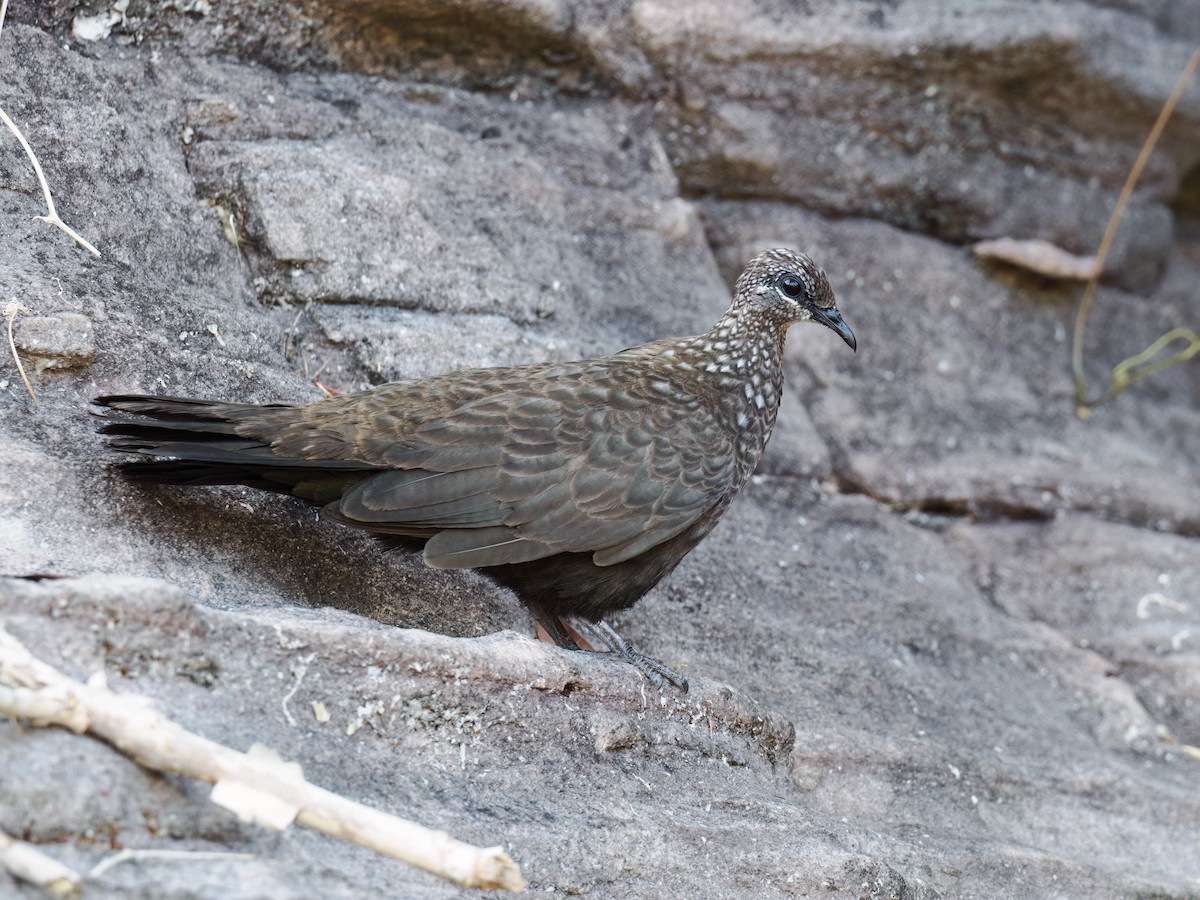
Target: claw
[(657, 672)]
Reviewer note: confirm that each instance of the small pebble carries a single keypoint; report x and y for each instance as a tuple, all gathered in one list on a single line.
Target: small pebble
[(60, 341)]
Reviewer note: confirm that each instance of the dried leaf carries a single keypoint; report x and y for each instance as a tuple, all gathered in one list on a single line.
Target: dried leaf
[(1038, 256)]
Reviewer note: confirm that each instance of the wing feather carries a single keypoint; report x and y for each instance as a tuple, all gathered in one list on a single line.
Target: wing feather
[(472, 548), (520, 464)]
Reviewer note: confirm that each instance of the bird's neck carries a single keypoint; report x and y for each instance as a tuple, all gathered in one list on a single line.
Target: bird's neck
[(738, 366), (747, 348)]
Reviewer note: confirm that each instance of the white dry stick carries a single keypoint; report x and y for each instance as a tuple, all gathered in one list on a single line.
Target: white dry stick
[(28, 863), (129, 855), (51, 217), (130, 724), (1155, 598), (300, 670), (10, 313)]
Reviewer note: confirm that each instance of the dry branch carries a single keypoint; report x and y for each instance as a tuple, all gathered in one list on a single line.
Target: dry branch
[(256, 785), (30, 864)]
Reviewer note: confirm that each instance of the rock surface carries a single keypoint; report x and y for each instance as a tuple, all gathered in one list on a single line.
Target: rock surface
[(945, 645)]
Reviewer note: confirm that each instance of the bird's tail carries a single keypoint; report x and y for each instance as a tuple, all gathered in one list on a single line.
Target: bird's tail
[(201, 442)]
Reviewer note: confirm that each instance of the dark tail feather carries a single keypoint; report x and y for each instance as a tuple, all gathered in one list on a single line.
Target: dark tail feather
[(183, 409), (194, 442)]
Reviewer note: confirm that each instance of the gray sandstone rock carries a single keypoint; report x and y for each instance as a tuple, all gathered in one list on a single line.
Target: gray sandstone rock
[(943, 646)]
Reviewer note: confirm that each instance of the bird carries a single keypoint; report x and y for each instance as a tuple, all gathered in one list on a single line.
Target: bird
[(577, 485)]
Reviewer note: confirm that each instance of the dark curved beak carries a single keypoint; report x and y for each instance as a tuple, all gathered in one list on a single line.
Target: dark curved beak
[(833, 319)]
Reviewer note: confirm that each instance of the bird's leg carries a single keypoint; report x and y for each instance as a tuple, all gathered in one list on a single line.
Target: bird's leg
[(557, 630), (647, 665), (554, 628)]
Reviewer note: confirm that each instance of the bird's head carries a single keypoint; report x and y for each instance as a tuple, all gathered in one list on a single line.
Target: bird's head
[(790, 288)]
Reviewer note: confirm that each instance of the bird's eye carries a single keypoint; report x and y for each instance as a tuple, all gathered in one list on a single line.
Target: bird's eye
[(790, 285)]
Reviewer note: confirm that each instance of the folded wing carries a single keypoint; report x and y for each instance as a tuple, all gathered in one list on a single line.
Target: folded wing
[(567, 463)]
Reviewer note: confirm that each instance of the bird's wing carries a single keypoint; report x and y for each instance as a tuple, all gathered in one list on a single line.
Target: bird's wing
[(631, 472), (579, 460)]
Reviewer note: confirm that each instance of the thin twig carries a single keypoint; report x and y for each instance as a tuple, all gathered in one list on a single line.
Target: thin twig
[(1085, 303), (129, 854), (51, 217), (301, 669), (10, 313)]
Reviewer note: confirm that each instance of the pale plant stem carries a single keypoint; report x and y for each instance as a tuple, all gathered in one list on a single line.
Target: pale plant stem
[(10, 313), (1110, 231), (52, 215)]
